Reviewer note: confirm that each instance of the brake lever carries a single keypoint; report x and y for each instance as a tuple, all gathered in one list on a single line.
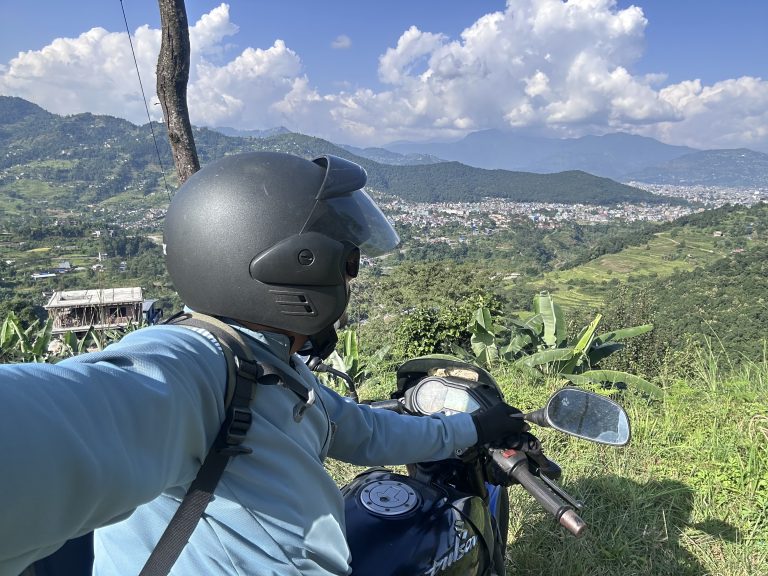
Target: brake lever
[(545, 469), (516, 466), (557, 489)]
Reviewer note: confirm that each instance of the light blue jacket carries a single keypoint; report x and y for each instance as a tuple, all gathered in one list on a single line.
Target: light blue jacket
[(111, 440)]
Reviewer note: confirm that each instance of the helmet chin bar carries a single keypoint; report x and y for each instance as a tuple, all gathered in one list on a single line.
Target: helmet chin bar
[(323, 343)]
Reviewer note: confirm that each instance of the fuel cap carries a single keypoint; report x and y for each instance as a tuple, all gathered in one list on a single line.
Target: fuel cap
[(388, 497)]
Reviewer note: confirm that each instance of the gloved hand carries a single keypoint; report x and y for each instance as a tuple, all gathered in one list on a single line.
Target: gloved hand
[(498, 423)]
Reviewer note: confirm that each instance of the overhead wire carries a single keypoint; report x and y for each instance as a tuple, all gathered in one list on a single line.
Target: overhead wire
[(144, 99)]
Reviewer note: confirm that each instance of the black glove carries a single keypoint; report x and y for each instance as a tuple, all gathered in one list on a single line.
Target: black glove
[(499, 423)]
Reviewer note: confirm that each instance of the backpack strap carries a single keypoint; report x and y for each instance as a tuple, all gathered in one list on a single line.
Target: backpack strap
[(243, 370)]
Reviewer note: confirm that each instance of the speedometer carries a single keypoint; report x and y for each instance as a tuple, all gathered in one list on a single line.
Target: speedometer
[(433, 395)]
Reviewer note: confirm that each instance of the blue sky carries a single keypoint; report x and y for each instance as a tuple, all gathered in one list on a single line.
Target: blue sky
[(688, 72)]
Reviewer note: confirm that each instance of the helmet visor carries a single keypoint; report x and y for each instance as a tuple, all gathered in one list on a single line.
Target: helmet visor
[(353, 218)]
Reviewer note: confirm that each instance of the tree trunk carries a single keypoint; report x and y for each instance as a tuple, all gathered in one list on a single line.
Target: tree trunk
[(172, 77)]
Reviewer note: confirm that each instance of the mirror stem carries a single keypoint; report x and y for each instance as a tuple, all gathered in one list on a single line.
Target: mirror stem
[(538, 417)]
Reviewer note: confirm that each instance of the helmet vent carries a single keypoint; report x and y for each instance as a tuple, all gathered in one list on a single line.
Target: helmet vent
[(293, 303)]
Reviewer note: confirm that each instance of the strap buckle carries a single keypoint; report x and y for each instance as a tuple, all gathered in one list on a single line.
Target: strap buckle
[(301, 407), (236, 428)]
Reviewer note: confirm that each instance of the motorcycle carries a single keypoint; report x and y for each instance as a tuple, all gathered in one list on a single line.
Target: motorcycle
[(451, 517)]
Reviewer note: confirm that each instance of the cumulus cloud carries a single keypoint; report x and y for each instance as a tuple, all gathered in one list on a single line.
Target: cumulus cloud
[(729, 114), (544, 66), (95, 72), (554, 68), (91, 73), (341, 42)]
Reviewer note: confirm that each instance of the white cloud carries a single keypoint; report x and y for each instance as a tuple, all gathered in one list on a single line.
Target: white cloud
[(243, 91), (341, 42), (91, 73), (206, 35), (730, 114), (546, 66), (95, 73)]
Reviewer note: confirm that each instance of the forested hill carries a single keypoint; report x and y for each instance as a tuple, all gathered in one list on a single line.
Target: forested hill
[(82, 158), (452, 181), (724, 302)]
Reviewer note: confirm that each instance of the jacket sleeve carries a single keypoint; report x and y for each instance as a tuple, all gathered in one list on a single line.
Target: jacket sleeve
[(366, 436), (85, 441)]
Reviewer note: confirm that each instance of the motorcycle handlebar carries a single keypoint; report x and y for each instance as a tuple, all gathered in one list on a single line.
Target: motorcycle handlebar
[(393, 405), (515, 465)]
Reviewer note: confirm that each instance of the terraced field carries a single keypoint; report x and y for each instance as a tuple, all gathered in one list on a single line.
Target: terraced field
[(588, 285)]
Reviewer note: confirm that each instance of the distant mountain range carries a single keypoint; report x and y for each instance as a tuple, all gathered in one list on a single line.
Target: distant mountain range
[(612, 155), (622, 157), (739, 167), (384, 156), (70, 161)]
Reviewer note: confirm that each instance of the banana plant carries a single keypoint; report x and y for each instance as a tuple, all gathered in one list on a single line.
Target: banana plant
[(34, 343), (541, 342), (483, 339), (72, 345), (348, 359), (12, 338), (25, 345)]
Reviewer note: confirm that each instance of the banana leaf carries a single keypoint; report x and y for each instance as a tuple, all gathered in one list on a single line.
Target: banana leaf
[(623, 333), (484, 321), (546, 357), (517, 345), (488, 356), (554, 321), (42, 340), (92, 337), (616, 377), (572, 342), (11, 332), (536, 323), (461, 354), (484, 347), (581, 347), (533, 326), (71, 344), (599, 353), (351, 353)]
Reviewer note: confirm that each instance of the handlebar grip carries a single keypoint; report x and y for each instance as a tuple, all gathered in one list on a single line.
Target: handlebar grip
[(515, 465), (393, 405)]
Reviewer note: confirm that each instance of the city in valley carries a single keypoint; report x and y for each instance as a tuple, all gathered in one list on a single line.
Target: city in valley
[(475, 215), (497, 212)]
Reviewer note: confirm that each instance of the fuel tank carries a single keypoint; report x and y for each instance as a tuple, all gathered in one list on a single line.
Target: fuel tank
[(398, 526)]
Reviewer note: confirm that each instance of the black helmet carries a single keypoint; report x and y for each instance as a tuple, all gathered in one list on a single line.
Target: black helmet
[(268, 238)]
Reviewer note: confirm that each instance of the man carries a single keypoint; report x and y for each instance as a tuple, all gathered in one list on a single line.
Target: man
[(111, 440)]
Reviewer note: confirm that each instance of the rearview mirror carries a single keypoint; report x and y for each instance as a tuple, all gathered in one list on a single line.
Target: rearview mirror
[(589, 416)]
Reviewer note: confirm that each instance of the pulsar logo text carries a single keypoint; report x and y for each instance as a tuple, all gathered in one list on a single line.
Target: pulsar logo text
[(460, 549)]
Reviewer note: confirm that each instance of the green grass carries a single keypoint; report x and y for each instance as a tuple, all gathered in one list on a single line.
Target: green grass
[(688, 496)]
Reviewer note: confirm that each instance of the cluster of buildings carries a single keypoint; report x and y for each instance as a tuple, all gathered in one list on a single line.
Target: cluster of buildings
[(475, 217), (708, 196)]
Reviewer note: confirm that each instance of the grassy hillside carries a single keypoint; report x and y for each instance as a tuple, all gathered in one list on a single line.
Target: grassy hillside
[(687, 497)]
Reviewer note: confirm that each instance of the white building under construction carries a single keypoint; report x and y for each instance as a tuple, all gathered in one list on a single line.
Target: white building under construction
[(104, 308)]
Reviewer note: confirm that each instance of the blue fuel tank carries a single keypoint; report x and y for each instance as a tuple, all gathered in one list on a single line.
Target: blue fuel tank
[(399, 526)]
